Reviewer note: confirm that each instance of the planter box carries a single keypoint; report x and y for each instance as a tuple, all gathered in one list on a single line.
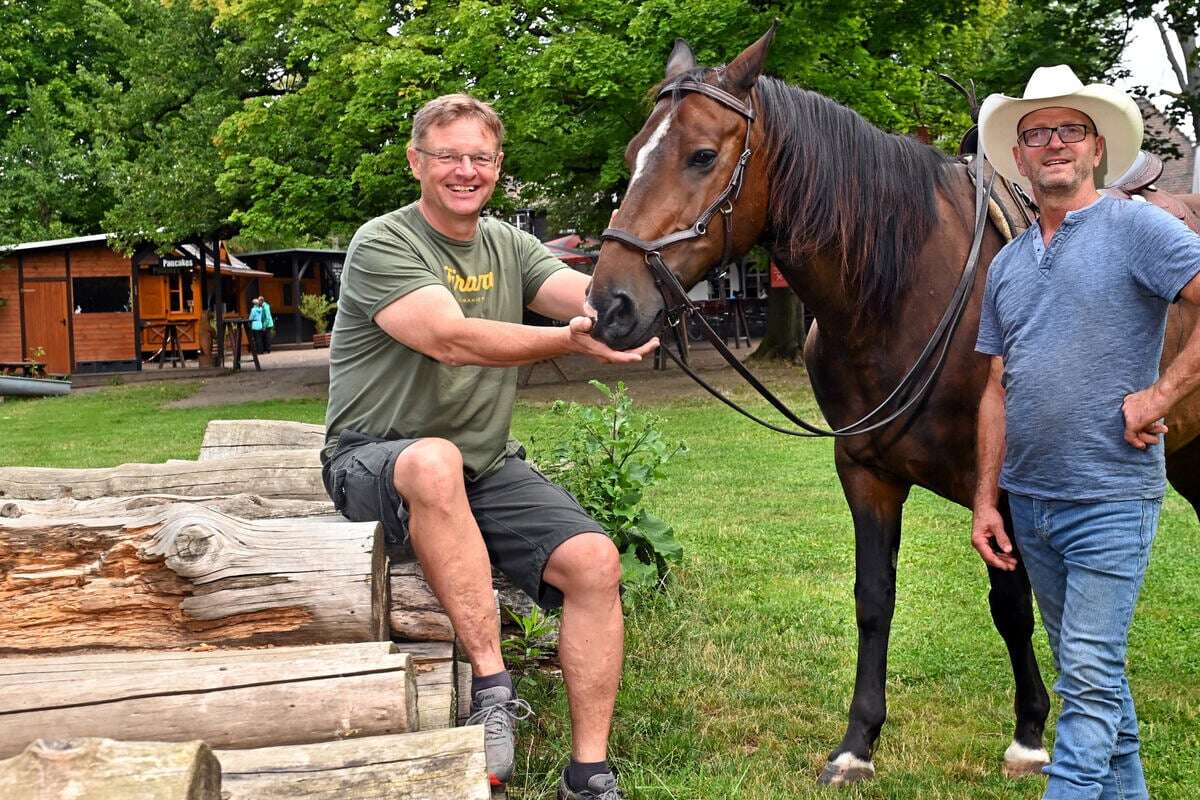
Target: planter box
[(321, 339)]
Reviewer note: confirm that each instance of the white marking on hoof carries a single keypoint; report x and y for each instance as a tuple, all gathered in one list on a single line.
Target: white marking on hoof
[(1020, 760), (847, 768)]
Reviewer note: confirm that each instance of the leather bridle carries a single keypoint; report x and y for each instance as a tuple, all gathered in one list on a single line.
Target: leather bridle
[(910, 390), (668, 285)]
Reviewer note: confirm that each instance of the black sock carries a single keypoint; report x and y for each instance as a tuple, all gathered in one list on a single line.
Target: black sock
[(580, 772), (501, 678)]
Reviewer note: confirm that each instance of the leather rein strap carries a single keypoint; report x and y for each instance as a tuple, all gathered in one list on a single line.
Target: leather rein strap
[(910, 390)]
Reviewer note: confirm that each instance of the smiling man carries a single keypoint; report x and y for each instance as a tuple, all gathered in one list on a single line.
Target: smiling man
[(422, 367), (1070, 423)]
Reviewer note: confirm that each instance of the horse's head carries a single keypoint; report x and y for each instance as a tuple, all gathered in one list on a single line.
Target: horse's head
[(683, 165)]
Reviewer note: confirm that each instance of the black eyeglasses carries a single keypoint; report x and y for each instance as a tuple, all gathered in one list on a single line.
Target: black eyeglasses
[(447, 158), (1067, 134)]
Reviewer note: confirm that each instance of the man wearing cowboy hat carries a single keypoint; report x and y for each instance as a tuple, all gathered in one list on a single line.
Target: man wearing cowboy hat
[(1070, 422)]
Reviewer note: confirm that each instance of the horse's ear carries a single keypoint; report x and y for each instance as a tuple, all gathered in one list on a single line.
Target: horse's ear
[(739, 77), (681, 59)]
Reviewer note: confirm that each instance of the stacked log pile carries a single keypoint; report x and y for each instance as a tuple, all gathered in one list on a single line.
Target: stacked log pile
[(159, 619)]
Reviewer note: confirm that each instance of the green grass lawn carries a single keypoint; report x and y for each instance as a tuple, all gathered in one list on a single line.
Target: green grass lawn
[(738, 679)]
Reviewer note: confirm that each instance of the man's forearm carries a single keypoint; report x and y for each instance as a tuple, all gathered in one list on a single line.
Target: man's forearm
[(488, 343), (1182, 376), (990, 442)]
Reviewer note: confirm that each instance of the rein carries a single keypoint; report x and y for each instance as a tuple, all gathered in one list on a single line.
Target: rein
[(911, 389)]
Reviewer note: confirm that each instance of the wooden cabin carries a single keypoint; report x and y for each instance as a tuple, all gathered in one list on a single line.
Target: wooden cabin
[(77, 305), (290, 275)]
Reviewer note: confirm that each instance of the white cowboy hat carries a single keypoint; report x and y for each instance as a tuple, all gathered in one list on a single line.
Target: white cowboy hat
[(1115, 115)]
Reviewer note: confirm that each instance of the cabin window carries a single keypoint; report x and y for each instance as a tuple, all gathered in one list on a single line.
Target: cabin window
[(100, 295), (180, 291)]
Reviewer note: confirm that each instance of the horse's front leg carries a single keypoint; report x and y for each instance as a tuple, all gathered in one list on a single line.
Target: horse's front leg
[(1011, 603), (876, 506)]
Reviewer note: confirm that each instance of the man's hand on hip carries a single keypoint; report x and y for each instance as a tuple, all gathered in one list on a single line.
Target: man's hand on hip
[(991, 540), (581, 341), (1144, 412)]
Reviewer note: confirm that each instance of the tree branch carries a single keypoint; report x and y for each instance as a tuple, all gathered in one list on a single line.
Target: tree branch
[(1180, 75)]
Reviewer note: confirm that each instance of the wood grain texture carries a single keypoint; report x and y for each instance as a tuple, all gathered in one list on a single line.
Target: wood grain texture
[(244, 702), (415, 612), (245, 506), (103, 769), (180, 575), (288, 474), (435, 673), (228, 437), (431, 765), (26, 670)]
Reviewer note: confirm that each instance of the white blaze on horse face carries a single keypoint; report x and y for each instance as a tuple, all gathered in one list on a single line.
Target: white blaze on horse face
[(643, 156)]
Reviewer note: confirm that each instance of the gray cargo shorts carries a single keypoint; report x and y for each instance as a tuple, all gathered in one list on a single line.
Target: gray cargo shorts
[(522, 515)]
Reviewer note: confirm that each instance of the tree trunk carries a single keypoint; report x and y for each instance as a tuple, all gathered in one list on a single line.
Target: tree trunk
[(288, 474), (241, 701), (785, 327), (101, 769), (427, 766), (182, 575)]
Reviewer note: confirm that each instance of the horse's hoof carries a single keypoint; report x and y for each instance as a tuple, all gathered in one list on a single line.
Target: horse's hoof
[(1020, 760), (847, 768)]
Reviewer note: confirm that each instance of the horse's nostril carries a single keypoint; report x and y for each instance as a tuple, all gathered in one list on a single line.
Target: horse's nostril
[(615, 314)]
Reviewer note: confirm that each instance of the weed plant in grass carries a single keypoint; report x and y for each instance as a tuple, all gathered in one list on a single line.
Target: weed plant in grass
[(737, 678)]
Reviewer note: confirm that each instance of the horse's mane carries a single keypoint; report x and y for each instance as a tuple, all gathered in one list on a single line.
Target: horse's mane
[(838, 182)]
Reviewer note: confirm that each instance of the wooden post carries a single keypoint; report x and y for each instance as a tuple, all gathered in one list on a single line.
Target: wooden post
[(102, 769), (220, 303), (182, 575)]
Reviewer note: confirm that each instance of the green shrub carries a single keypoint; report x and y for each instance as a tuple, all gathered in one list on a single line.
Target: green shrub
[(316, 308), (611, 454)]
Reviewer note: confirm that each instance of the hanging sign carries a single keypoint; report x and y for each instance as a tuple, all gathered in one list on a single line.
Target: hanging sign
[(168, 265), (777, 279)]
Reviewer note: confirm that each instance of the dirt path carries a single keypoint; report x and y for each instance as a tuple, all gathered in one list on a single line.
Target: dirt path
[(301, 374)]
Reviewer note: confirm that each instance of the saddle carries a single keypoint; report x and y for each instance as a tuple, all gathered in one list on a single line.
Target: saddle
[(1138, 184)]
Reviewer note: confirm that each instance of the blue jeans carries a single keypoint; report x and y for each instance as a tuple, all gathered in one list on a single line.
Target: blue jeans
[(1086, 562)]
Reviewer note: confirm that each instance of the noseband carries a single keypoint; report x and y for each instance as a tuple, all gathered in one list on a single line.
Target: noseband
[(677, 301)]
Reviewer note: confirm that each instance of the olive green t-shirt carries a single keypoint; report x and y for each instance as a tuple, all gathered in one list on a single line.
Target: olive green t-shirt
[(380, 387)]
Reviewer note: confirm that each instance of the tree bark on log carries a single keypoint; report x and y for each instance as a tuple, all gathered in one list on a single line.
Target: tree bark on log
[(416, 614), (435, 765), (238, 703), (182, 575), (236, 437), (434, 670), (289, 474), (102, 769), (433, 667), (244, 506)]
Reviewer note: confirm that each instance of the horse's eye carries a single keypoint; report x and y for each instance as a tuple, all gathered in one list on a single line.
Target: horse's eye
[(702, 158)]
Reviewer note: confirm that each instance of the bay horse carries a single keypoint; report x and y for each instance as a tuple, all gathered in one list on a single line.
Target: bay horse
[(871, 230)]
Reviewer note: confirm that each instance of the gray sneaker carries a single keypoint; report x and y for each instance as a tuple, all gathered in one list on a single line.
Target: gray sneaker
[(497, 710), (599, 787)]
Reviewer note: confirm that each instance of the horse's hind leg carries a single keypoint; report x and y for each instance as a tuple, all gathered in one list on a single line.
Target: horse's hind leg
[(1183, 471), (876, 508), (1011, 603)]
